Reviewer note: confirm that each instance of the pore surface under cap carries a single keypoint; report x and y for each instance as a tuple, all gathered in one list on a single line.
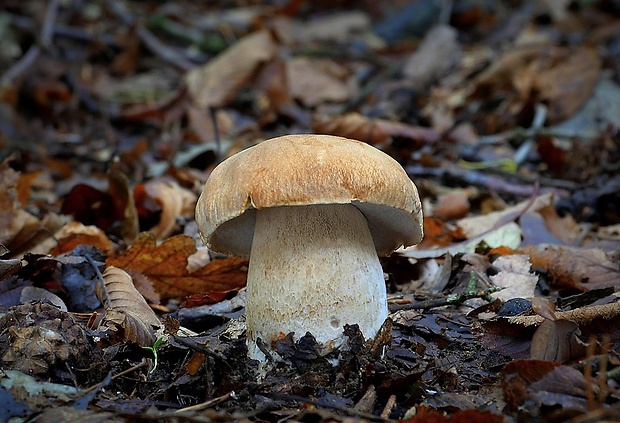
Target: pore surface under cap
[(299, 170)]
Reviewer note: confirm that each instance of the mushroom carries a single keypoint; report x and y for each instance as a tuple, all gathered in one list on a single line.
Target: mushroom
[(312, 212)]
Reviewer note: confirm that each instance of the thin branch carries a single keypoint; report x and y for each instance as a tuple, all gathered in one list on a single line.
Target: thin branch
[(319, 403), (150, 41), (456, 299), (44, 42)]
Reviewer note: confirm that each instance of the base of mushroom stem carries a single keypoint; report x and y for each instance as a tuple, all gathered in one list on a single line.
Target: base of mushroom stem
[(379, 344)]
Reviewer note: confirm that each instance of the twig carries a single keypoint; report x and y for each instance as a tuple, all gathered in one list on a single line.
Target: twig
[(216, 132), (150, 41), (456, 299), (143, 363), (191, 344), (323, 404), (371, 86), (492, 181), (367, 402), (389, 405), (206, 404), (73, 32), (45, 40), (101, 291)]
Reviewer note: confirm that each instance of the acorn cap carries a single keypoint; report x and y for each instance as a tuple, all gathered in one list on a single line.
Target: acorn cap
[(307, 169)]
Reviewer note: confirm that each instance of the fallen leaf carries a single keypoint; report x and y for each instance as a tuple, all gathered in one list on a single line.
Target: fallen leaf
[(124, 204), (566, 83), (23, 186), (217, 82), (75, 233), (8, 267), (564, 387), (453, 205), (575, 268), (582, 316), (174, 200), (90, 206), (351, 125), (126, 307), (557, 340), (166, 266), (517, 376), (563, 78), (514, 277), (317, 81), (10, 223), (475, 225), (196, 300), (436, 55)]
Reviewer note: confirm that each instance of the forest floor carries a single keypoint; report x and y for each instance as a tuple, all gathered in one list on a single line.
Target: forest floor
[(505, 114)]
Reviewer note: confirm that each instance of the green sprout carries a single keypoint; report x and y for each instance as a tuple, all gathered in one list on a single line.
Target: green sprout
[(153, 349)]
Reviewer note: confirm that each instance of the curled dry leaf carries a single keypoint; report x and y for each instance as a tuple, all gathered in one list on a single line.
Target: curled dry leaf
[(174, 200), (124, 204), (126, 307)]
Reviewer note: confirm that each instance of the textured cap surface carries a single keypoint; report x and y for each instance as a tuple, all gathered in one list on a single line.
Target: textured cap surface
[(298, 170)]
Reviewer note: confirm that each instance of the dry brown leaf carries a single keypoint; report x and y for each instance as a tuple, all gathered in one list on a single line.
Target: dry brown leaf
[(564, 78), (75, 233), (436, 55), (342, 27), (8, 267), (572, 268), (126, 307), (453, 205), (122, 197), (9, 203), (166, 266), (35, 235), (569, 83), (419, 134), (564, 228), (317, 81), (475, 225), (23, 186), (517, 376), (351, 125), (217, 83), (272, 83), (557, 340)]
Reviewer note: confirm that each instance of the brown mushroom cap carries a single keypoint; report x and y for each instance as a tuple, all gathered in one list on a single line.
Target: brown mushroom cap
[(300, 170)]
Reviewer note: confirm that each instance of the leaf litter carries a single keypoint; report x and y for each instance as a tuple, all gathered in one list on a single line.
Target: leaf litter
[(111, 119)]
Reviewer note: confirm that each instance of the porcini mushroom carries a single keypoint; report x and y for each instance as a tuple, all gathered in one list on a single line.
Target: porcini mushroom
[(312, 212)]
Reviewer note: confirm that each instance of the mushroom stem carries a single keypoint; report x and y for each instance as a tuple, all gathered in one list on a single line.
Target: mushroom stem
[(313, 269)]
